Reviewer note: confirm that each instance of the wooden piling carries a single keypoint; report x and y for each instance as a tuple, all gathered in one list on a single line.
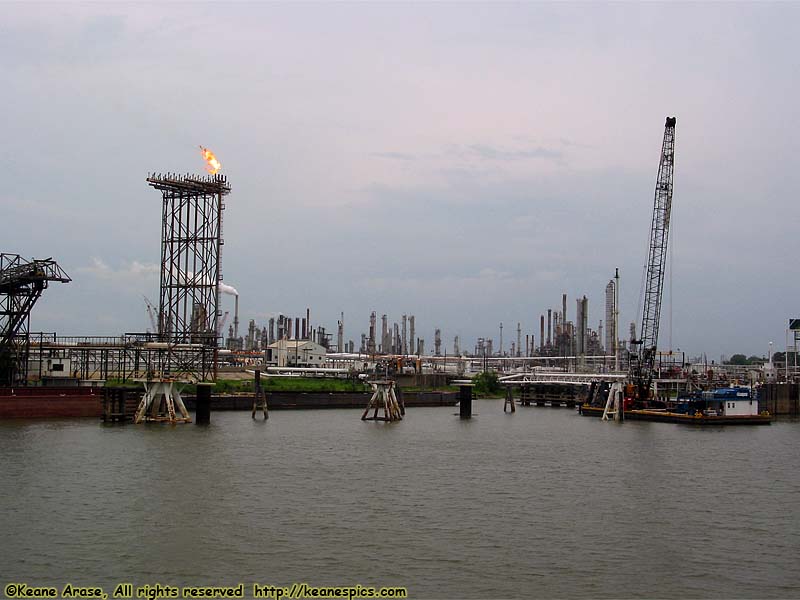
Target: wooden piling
[(509, 403), (260, 397), (400, 400), (115, 404), (383, 398)]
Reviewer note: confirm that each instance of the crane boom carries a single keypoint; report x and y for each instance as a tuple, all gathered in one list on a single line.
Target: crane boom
[(643, 361)]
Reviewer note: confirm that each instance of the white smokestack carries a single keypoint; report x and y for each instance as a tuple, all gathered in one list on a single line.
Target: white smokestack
[(228, 289), (236, 317), (192, 279)]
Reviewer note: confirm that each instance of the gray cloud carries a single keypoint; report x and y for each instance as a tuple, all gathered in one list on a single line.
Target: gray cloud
[(493, 153), (394, 155), (521, 140)]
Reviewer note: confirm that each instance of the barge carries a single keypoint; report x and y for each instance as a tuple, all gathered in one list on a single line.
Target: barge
[(723, 406), (51, 402), (666, 416)]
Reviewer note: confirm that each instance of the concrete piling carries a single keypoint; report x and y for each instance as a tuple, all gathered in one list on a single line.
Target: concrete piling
[(203, 404), (465, 401)]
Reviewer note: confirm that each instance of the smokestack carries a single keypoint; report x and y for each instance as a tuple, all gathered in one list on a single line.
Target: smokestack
[(308, 321), (404, 347), (411, 333), (549, 326), (563, 310), (371, 343), (519, 339), (541, 333), (581, 323), (236, 317), (297, 328), (305, 331), (600, 337), (501, 340)]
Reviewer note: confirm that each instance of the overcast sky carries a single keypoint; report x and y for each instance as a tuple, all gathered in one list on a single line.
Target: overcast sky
[(466, 163)]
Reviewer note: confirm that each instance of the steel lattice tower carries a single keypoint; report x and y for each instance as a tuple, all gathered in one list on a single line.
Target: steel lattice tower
[(21, 284), (191, 245), (656, 261)]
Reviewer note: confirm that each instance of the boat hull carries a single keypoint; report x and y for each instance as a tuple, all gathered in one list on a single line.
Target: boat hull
[(660, 416)]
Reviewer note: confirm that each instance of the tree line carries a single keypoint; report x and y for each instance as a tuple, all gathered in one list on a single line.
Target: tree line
[(777, 357)]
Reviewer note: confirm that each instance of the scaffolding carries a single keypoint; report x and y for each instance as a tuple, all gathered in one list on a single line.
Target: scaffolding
[(191, 246), (187, 344)]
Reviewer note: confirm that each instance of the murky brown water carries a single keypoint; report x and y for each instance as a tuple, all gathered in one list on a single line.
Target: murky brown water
[(542, 503)]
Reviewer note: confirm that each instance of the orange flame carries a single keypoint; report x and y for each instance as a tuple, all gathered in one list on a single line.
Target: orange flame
[(212, 164)]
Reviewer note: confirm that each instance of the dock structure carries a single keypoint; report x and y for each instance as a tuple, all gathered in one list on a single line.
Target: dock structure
[(556, 389), (119, 404), (553, 394), (162, 403), (383, 397)]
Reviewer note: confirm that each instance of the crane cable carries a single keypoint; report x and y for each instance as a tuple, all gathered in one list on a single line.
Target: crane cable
[(642, 282), (670, 242)]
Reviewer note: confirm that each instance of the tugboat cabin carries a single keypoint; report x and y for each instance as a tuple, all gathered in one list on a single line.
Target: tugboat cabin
[(733, 401), (736, 401)]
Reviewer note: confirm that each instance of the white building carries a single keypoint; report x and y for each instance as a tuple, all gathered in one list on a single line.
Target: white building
[(295, 353)]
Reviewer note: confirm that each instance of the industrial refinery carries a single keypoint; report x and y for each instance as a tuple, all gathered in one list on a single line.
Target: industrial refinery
[(185, 343)]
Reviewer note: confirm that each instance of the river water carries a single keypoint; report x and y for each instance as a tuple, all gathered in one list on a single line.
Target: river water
[(541, 503)]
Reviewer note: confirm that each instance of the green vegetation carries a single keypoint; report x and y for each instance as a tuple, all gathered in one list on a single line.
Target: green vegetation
[(312, 384), (780, 357), (270, 384), (437, 388), (231, 386), (741, 359), (307, 384), (487, 384), (288, 384), (113, 383)]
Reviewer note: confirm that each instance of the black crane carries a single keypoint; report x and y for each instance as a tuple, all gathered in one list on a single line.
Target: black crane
[(21, 284), (643, 350)]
